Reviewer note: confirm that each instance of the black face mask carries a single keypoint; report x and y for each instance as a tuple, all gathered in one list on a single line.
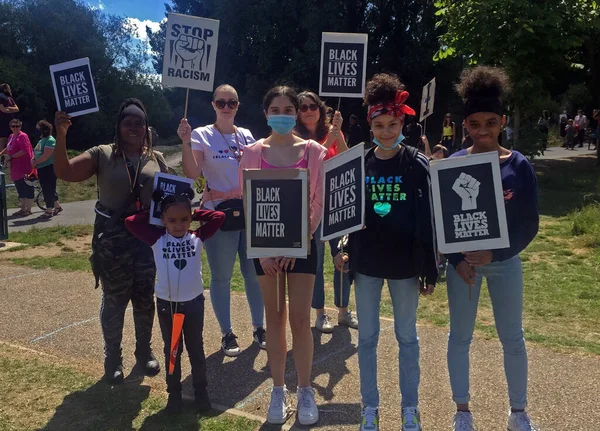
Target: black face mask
[(38, 133)]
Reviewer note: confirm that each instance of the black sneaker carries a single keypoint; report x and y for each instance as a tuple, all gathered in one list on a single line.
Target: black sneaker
[(174, 405), (202, 402), (260, 337), (229, 345), (148, 366), (113, 375)]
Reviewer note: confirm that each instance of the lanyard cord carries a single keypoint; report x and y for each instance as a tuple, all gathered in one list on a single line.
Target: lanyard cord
[(137, 171), (237, 141), (165, 242)]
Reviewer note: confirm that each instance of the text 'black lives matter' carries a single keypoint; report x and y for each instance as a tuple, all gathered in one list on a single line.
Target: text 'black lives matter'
[(74, 87)]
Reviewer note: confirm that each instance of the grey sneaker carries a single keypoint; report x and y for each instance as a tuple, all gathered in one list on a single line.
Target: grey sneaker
[(411, 419), (369, 419), (279, 407), (348, 319), (308, 413), (520, 421), (323, 324), (463, 421)]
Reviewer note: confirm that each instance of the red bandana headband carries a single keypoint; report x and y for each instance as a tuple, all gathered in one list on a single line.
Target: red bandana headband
[(397, 108)]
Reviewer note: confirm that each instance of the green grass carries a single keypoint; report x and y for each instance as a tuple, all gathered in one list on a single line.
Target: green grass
[(66, 261), (39, 395), (48, 236)]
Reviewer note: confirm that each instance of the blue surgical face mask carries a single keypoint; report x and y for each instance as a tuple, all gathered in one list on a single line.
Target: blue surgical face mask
[(281, 124), (398, 141)]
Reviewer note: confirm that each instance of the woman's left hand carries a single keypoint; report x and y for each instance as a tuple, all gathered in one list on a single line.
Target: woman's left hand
[(286, 263), (478, 258), (428, 289)]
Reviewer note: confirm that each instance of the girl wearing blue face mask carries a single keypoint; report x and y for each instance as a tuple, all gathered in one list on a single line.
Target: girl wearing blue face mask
[(285, 150), (396, 245)]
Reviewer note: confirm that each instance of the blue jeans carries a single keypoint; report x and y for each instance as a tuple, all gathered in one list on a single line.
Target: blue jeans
[(505, 285), (318, 298), (405, 298), (221, 250)]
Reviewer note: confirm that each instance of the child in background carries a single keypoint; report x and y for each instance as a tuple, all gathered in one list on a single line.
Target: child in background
[(571, 132), (179, 287)]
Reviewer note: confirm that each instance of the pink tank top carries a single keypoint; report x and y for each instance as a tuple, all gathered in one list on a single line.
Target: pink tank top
[(300, 164)]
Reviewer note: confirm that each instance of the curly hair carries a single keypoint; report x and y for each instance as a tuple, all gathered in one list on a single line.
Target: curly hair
[(382, 88), (322, 127), (483, 82), (147, 137)]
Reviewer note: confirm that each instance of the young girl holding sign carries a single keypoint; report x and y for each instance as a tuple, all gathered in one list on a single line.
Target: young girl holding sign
[(179, 289), (482, 89), (397, 245), (285, 150)]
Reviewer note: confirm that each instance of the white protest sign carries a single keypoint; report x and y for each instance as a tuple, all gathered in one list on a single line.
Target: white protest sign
[(468, 203), (190, 52), (344, 198), (169, 185), (427, 100), (343, 65), (74, 87)]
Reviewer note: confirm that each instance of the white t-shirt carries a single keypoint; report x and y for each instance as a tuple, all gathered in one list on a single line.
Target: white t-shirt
[(178, 263), (220, 162)]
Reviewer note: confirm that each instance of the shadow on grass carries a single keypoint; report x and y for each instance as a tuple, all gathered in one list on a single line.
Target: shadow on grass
[(100, 407), (567, 184)]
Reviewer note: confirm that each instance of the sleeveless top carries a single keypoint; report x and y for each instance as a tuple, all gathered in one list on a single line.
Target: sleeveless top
[(448, 130)]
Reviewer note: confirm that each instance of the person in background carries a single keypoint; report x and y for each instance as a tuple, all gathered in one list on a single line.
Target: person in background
[(482, 90), (312, 124), (449, 133), (397, 246), (581, 123), (179, 288), (329, 111), (570, 134), (125, 173), (563, 121), (595, 126), (544, 128), (8, 111), (355, 133), (214, 151), (285, 150), (43, 161), (413, 132), (19, 152)]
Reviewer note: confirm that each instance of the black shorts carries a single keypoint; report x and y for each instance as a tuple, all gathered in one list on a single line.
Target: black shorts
[(302, 266), (24, 190)]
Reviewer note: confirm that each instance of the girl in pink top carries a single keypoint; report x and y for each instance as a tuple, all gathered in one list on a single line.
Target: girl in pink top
[(19, 152), (285, 150)]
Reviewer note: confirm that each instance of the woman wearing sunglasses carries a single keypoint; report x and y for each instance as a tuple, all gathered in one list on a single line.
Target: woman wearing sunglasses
[(313, 124), (215, 152)]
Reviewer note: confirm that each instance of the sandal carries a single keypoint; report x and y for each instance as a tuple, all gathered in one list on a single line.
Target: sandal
[(20, 213), (46, 215), (57, 210)]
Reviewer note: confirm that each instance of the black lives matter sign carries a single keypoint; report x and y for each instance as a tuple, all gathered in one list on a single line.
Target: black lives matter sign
[(343, 64), (169, 185), (74, 87), (277, 213), (344, 197), (469, 203)]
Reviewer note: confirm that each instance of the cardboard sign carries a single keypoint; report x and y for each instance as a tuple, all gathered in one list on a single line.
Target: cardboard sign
[(469, 203), (344, 199), (343, 64), (190, 52), (427, 100), (277, 226), (74, 87), (169, 184)]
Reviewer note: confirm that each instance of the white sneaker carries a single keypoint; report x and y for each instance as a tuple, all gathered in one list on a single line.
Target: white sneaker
[(411, 419), (519, 421), (279, 407), (369, 419), (323, 324), (463, 421), (308, 413)]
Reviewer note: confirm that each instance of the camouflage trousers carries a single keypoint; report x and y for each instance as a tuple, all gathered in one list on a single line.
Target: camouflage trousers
[(125, 267)]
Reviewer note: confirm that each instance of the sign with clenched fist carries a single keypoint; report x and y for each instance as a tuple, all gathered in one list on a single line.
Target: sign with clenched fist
[(190, 52), (469, 204)]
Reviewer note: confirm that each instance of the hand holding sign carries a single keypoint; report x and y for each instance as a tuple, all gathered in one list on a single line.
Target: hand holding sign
[(467, 188), (62, 122), (184, 131), (190, 48), (479, 258), (336, 122)]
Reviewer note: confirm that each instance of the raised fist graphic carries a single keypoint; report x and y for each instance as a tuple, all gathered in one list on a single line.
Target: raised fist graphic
[(190, 48), (467, 188)]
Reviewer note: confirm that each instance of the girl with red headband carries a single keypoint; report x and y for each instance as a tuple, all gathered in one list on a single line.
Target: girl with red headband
[(396, 245)]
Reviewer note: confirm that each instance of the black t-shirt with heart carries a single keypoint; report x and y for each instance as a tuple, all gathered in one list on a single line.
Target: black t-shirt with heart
[(397, 218)]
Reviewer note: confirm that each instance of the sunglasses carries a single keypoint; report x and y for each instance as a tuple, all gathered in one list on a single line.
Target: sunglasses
[(15, 127), (232, 104), (313, 107)]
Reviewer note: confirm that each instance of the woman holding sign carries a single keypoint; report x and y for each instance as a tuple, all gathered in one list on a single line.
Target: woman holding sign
[(482, 90), (396, 245), (215, 152), (125, 265), (312, 124), (283, 149)]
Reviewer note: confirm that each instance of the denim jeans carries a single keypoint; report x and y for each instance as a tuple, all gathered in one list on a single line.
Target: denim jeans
[(405, 298), (318, 298), (221, 251), (505, 285)]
